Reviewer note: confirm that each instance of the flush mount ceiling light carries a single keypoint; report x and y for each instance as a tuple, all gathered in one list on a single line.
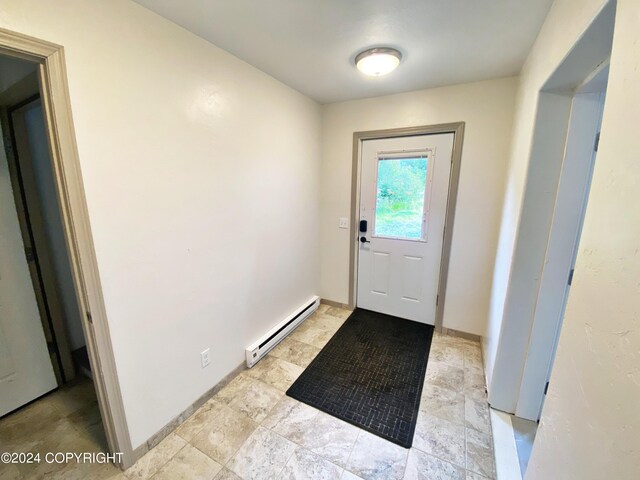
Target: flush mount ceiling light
[(378, 61)]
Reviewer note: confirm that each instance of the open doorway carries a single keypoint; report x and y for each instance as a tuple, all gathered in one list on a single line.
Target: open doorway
[(47, 398), (563, 155), (580, 153), (51, 78)]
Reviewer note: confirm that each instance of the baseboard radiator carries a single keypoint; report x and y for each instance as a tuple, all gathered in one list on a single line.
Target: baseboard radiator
[(274, 336)]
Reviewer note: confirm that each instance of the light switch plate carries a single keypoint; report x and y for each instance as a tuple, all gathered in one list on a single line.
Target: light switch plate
[(344, 222)]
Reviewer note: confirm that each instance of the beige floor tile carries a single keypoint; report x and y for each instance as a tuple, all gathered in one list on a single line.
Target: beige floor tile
[(257, 400), (66, 420), (448, 353), (460, 340), (342, 313), (149, 465), (298, 353), (445, 376), (294, 439), (306, 465), (323, 308), (226, 474), (63, 438), (440, 438), (443, 403), (9, 472), (448, 339), (375, 458), (234, 387), (85, 471), (21, 430), (474, 386), (200, 419), (224, 435), (312, 334), (326, 322), (472, 353), (473, 369), (262, 456), (480, 453), (188, 464), (276, 372), (88, 422), (330, 438), (421, 466), (477, 415), (291, 419), (73, 396)]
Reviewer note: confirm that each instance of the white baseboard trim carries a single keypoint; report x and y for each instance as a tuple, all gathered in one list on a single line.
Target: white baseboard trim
[(504, 447)]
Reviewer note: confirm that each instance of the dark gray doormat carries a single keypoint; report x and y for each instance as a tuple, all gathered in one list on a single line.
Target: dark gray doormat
[(370, 374)]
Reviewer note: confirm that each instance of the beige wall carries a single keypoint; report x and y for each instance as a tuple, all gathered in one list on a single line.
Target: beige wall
[(487, 109), (590, 421), (201, 176)]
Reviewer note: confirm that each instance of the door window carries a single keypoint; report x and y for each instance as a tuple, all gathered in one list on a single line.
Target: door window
[(401, 190)]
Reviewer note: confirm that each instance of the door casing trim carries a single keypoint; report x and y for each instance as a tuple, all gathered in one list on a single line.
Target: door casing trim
[(56, 105), (457, 128)]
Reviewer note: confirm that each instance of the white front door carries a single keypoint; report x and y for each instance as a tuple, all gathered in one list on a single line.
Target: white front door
[(25, 366), (404, 185)]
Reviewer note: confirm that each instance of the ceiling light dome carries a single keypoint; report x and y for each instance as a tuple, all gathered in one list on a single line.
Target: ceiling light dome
[(378, 61)]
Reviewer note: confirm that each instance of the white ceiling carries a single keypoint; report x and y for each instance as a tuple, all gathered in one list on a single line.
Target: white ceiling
[(310, 44)]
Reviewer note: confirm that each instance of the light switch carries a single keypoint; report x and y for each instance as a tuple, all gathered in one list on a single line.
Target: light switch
[(344, 222)]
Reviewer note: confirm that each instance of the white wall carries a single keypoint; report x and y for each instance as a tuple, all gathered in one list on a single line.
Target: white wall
[(201, 177), (589, 426), (487, 109)]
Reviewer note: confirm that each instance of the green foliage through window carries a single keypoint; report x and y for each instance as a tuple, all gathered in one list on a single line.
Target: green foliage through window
[(400, 197)]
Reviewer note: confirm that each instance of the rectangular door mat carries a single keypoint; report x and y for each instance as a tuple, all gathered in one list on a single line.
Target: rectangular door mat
[(370, 374)]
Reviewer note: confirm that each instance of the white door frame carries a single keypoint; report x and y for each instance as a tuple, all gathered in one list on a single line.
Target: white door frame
[(456, 157), (56, 106)]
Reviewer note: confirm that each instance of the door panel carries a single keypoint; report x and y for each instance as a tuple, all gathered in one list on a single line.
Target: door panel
[(36, 197), (26, 371), (403, 196), (380, 280), (411, 278)]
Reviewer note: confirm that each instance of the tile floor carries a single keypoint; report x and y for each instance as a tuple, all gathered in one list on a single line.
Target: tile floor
[(252, 430), (67, 420)]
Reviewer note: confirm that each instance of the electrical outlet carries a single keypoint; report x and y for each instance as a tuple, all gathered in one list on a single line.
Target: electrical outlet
[(205, 357), (344, 222)]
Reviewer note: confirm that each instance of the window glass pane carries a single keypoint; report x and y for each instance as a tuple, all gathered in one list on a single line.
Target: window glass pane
[(400, 197)]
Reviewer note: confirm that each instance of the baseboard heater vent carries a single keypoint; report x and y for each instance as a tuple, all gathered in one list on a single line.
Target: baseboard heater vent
[(274, 336)]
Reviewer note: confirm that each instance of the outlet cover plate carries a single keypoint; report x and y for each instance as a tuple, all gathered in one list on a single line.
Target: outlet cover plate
[(205, 357)]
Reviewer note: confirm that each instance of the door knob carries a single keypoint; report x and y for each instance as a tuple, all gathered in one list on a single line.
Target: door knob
[(363, 239)]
